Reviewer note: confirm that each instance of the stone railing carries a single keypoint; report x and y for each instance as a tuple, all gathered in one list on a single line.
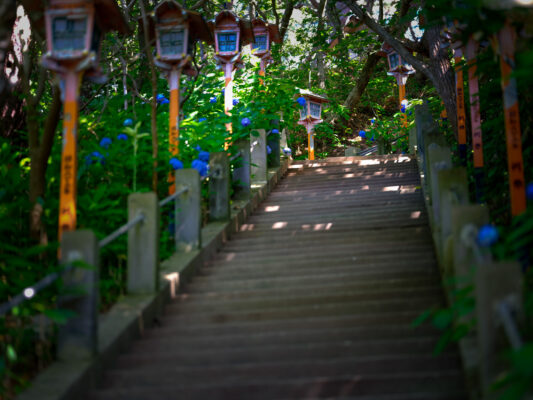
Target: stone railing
[(454, 222), (90, 341)]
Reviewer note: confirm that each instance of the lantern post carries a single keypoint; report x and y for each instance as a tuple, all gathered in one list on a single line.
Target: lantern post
[(176, 30), (310, 115), (460, 96), (265, 34), (401, 71), (230, 34), (73, 34)]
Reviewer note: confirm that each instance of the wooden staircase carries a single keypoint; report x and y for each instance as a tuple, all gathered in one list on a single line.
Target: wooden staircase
[(312, 299)]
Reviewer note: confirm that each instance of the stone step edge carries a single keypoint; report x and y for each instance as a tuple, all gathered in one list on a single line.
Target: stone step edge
[(130, 316)]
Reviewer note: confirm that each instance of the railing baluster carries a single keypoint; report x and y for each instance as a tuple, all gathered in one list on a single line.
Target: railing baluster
[(219, 187), (188, 211)]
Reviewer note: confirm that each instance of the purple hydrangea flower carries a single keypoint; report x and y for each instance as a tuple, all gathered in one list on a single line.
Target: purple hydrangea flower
[(245, 121), (213, 99), (127, 122), (362, 134), (487, 235), (287, 150), (202, 119), (402, 109), (164, 101), (203, 156), (105, 143), (235, 102), (94, 155), (275, 131), (122, 136), (269, 150), (159, 98), (200, 166), (175, 163)]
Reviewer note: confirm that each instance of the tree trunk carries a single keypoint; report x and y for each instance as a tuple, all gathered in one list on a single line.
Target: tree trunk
[(362, 81)]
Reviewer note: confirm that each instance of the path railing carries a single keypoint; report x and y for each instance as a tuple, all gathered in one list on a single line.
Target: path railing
[(454, 222), (78, 338)]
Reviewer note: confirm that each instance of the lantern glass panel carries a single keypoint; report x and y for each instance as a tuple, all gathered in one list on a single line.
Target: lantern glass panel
[(227, 41), (394, 60), (303, 112), (315, 109), (68, 33), (171, 42), (260, 42)]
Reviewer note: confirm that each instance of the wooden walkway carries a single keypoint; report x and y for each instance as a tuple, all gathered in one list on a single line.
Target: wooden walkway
[(313, 299)]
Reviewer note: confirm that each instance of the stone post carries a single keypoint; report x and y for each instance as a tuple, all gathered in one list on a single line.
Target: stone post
[(440, 159), (350, 151), (273, 141), (494, 283), (219, 187), (78, 337), (259, 156), (242, 171), (188, 211), (143, 244)]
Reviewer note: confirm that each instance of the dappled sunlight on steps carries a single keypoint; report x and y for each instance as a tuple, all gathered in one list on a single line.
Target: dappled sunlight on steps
[(313, 299)]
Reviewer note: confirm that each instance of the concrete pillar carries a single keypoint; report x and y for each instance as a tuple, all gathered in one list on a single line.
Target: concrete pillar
[(427, 133), (242, 170), (494, 283), (440, 159), (143, 244), (78, 337), (350, 151), (259, 156), (188, 211), (452, 191), (219, 187)]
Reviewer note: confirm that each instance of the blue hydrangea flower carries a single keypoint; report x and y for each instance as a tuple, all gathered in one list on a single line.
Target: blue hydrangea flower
[(202, 119), (127, 122), (287, 150), (275, 131), (105, 142), (487, 235), (529, 191), (175, 163), (223, 92), (200, 166), (245, 121), (372, 120), (213, 99), (203, 156), (269, 150), (372, 138), (402, 109), (160, 98), (362, 134), (164, 101), (122, 136), (198, 148), (235, 102), (94, 155), (301, 101)]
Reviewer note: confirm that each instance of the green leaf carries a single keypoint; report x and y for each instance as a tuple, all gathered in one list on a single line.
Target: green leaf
[(11, 353), (60, 316)]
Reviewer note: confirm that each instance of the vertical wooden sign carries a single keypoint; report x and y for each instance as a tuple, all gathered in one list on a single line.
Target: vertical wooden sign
[(69, 159), (461, 113), (506, 41), (173, 126)]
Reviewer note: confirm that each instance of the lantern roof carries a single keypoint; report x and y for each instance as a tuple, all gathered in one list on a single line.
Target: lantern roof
[(313, 96), (273, 30), (245, 26), (169, 10), (108, 15)]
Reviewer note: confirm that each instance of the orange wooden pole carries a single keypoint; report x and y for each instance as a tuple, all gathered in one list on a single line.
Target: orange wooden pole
[(310, 141), (506, 40), (461, 113), (69, 160), (262, 72), (173, 125), (401, 96)]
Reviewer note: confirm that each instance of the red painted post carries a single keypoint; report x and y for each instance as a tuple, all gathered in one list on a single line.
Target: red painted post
[(475, 115), (506, 40), (460, 96)]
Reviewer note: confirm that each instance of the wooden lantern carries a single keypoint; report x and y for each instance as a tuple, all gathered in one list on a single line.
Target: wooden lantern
[(231, 33), (312, 110)]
